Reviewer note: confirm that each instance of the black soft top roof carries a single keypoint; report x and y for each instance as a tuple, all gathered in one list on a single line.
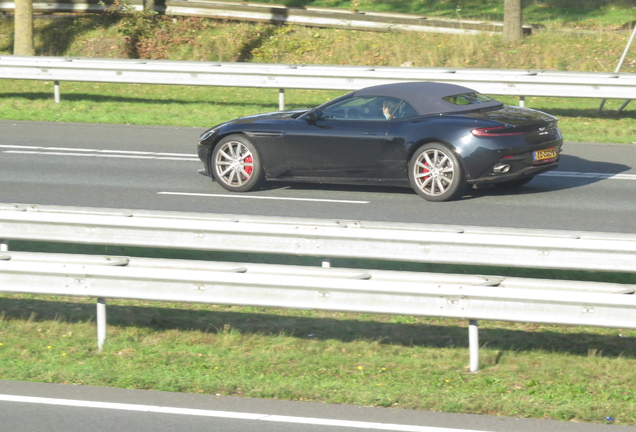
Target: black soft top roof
[(426, 97)]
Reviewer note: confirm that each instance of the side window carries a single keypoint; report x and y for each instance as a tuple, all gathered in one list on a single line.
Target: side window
[(369, 108), (404, 110), (336, 112)]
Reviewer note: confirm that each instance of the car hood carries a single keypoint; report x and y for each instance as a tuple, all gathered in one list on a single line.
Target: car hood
[(275, 115), (271, 117)]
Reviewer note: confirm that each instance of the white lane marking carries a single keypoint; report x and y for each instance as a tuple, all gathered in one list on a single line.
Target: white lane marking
[(61, 151), (54, 148), (608, 176), (226, 414), (120, 156), (262, 197)]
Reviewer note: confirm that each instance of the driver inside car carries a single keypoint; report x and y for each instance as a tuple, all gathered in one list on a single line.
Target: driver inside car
[(388, 107)]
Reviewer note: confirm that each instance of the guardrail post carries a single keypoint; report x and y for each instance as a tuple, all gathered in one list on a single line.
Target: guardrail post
[(623, 106), (473, 345), (281, 99), (56, 91), (618, 67), (522, 101), (101, 322), (326, 263), (4, 245)]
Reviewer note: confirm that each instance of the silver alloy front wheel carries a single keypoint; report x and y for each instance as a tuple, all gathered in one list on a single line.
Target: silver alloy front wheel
[(436, 173), (236, 164)]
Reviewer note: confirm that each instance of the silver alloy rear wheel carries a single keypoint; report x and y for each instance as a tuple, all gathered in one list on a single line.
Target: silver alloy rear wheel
[(436, 173), (236, 164)]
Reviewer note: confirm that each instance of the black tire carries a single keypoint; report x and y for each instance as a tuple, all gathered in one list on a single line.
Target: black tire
[(236, 164), (436, 173), (512, 184)]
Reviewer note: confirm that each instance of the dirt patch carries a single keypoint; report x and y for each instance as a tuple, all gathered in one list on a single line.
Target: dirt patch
[(101, 47)]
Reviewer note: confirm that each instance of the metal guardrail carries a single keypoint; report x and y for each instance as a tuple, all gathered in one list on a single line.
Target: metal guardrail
[(444, 244), (281, 14), (520, 83), (371, 291)]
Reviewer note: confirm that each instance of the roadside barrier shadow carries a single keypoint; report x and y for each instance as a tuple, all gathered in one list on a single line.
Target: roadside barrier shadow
[(393, 330), (87, 97)]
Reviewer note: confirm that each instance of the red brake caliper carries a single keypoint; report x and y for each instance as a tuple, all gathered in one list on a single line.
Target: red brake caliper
[(248, 169)]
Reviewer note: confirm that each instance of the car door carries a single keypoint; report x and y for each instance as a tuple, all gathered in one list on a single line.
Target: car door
[(345, 141)]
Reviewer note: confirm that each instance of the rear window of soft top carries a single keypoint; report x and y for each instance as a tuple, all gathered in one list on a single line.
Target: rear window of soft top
[(467, 99)]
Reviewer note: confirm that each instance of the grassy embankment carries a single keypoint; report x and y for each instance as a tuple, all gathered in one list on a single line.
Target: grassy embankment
[(527, 370), (539, 371)]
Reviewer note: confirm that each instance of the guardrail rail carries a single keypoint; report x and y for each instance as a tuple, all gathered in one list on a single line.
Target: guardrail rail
[(508, 82), (470, 297), (281, 14)]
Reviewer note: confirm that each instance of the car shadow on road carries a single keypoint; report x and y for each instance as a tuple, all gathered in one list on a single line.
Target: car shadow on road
[(318, 187), (577, 172), (573, 172), (324, 325)]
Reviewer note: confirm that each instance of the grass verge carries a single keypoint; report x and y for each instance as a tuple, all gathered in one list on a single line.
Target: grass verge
[(534, 371)]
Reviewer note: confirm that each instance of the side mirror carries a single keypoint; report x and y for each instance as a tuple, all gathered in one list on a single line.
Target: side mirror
[(311, 117)]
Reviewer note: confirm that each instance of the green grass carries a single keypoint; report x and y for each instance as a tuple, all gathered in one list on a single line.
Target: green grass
[(535, 371), (574, 13), (142, 104), (206, 40)]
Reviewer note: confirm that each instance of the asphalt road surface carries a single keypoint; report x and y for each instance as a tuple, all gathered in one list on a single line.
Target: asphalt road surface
[(37, 407), (141, 167)]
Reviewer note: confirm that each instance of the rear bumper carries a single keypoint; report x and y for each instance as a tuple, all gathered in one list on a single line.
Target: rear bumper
[(530, 171), (512, 166)]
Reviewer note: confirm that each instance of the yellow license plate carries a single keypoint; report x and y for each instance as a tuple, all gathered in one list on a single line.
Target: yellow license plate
[(548, 153)]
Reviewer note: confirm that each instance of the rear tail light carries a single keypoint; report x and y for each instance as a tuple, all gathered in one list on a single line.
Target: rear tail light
[(507, 131), (494, 131)]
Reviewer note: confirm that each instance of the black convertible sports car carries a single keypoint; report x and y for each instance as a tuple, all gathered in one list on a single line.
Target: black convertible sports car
[(436, 138)]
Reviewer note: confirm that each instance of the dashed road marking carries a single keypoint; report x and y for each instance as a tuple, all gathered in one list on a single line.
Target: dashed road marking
[(262, 197), (79, 152)]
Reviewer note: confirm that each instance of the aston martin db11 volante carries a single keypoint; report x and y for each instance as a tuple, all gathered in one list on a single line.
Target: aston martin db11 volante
[(436, 138)]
